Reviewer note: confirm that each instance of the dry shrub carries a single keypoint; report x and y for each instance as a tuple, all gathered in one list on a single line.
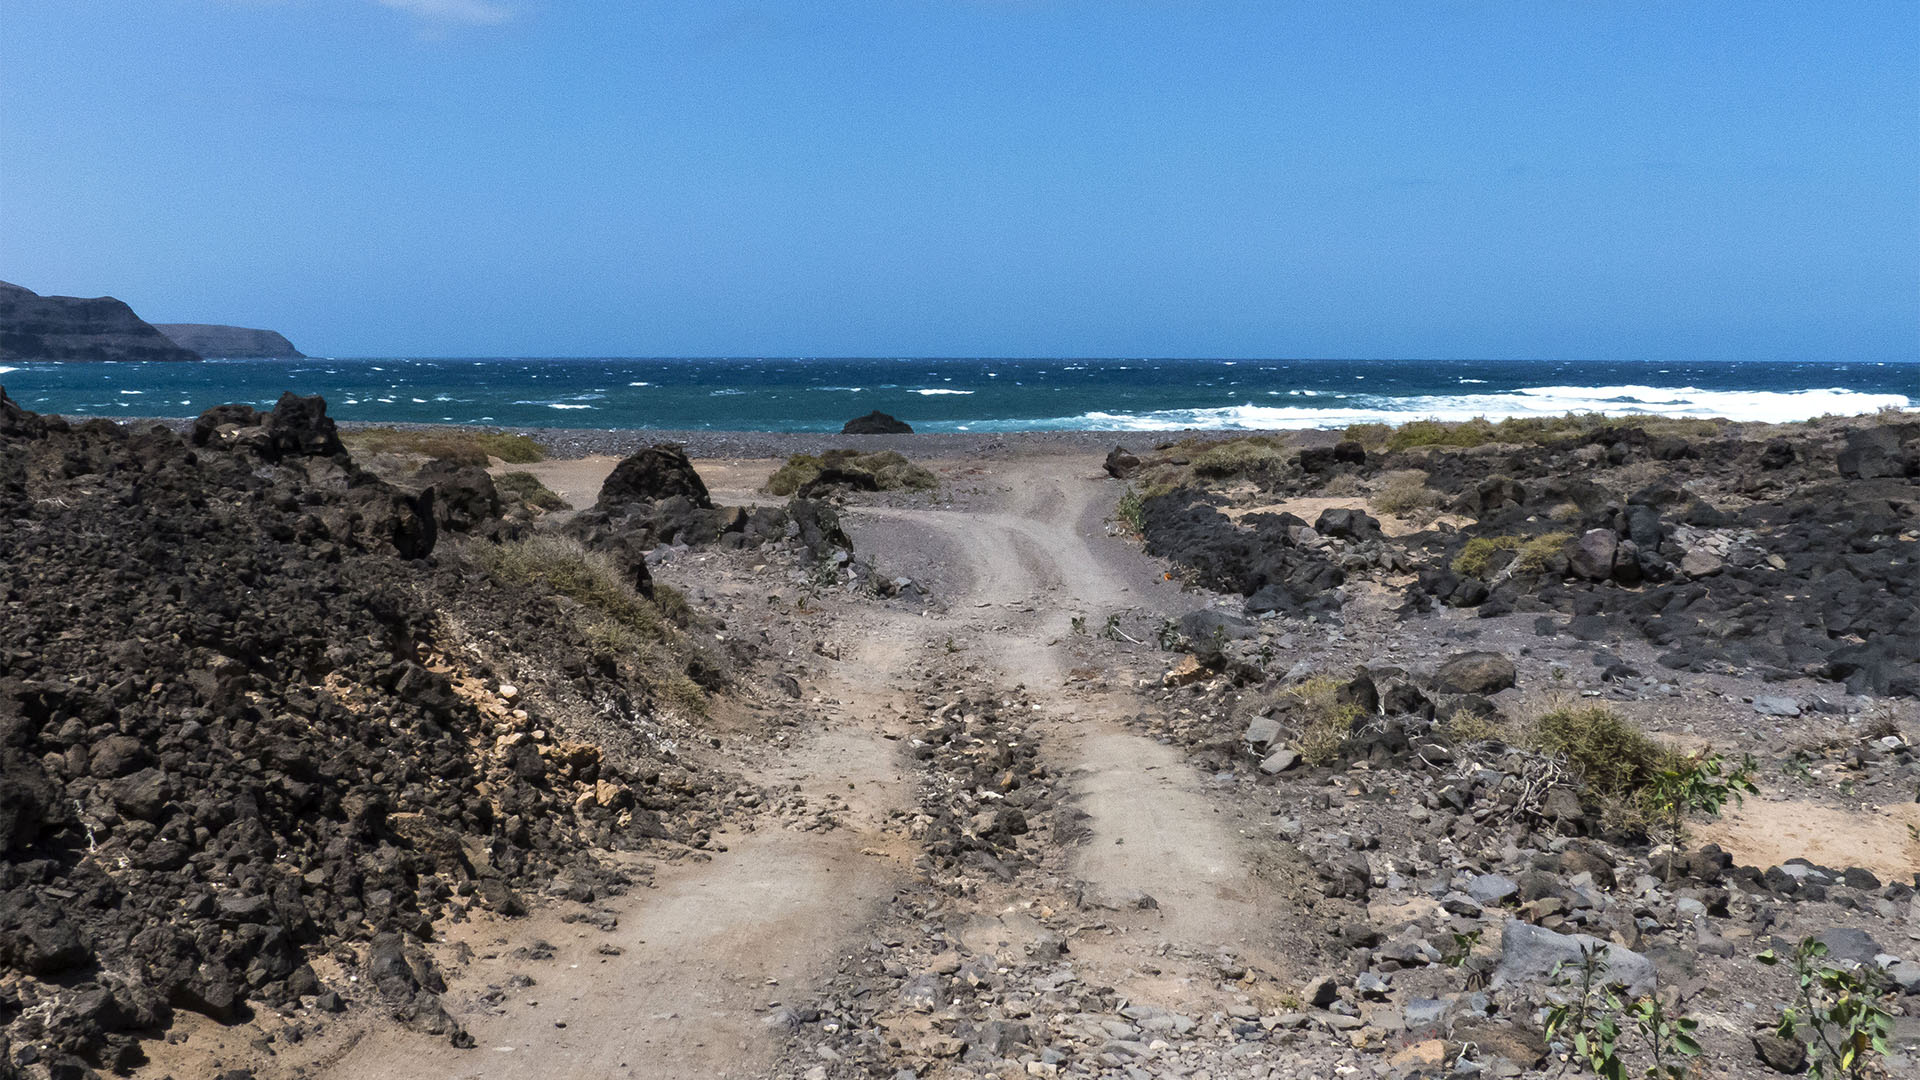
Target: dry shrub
[(1371, 436), (1236, 456), (527, 490), (1405, 493), (1467, 726), (1341, 486), (1324, 722)]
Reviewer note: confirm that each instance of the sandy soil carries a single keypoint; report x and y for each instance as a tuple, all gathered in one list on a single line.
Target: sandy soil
[(1762, 832)]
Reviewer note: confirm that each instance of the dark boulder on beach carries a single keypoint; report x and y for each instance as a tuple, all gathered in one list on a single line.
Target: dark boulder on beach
[(230, 342), (658, 472), (875, 423), (1121, 463), (35, 327)]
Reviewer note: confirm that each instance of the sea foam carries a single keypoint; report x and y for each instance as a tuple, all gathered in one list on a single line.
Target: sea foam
[(1768, 406)]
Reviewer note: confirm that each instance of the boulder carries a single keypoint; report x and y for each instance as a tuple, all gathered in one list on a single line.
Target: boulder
[(1475, 673), (1780, 1055), (658, 472), (300, 427), (1873, 452), (1592, 555), (1531, 954), (875, 423), (464, 498), (1121, 464), (1352, 524), (1319, 459), (1208, 629)]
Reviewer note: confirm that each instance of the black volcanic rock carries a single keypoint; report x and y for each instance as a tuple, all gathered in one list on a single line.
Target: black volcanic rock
[(230, 342), (875, 423), (223, 752), (658, 472), (35, 327)]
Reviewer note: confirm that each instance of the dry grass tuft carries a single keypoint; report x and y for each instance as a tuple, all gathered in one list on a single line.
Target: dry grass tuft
[(1324, 723)]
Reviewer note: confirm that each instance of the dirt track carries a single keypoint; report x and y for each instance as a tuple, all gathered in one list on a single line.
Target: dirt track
[(714, 946)]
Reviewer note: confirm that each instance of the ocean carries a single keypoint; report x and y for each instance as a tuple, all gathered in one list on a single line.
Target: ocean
[(984, 395)]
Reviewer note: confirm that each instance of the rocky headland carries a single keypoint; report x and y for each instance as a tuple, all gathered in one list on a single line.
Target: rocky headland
[(230, 342), (35, 327)]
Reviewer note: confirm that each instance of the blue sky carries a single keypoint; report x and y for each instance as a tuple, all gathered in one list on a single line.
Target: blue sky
[(998, 177)]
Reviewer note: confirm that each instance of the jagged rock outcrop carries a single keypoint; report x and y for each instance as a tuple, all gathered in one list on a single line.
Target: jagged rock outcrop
[(35, 327), (211, 339)]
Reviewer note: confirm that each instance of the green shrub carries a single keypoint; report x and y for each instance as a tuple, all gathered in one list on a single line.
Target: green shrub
[(524, 487), (1534, 553), (890, 470), (1610, 754), (452, 444), (1537, 552), (1477, 552)]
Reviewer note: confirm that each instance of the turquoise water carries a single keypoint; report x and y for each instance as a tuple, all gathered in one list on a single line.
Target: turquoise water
[(965, 394)]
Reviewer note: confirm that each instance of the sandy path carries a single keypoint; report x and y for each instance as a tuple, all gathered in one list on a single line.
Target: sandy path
[(706, 954), (1031, 565)]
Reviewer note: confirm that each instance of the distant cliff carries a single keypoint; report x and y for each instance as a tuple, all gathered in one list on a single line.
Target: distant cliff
[(35, 327), (229, 341)]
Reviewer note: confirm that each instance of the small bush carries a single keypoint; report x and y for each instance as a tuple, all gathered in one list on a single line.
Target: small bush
[(890, 470), (1324, 723), (452, 444), (1475, 432), (1371, 436), (1466, 726), (1534, 554), (1478, 552), (1131, 511), (1236, 456), (1404, 493), (526, 488), (1341, 485), (1610, 754)]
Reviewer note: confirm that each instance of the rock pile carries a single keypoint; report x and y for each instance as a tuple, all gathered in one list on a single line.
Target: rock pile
[(230, 741)]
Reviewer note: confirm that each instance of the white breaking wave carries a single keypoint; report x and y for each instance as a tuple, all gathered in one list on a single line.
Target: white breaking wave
[(4, 370), (562, 405), (1767, 406), (931, 393)]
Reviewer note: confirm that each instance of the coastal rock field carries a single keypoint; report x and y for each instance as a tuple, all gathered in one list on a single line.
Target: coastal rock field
[(1436, 751)]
